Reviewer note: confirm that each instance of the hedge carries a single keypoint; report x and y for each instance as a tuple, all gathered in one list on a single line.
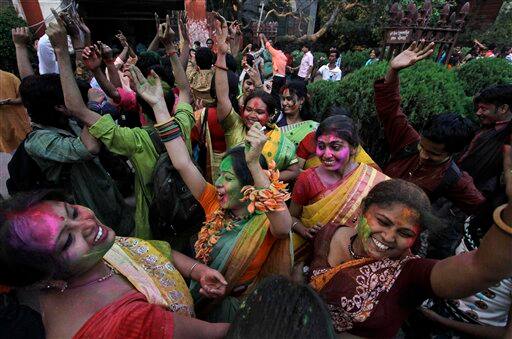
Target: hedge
[(480, 73), (8, 20), (426, 89)]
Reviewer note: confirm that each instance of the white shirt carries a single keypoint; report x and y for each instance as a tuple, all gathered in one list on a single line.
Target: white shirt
[(46, 55), (330, 74), (305, 64)]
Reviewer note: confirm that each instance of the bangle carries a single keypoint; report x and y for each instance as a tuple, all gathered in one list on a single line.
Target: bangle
[(499, 222), (221, 67), (163, 123), (294, 224), (168, 130), (192, 268)]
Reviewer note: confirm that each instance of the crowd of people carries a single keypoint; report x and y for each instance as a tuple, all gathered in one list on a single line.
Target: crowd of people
[(181, 192)]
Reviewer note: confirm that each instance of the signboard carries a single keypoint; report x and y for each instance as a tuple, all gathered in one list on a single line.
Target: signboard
[(399, 36)]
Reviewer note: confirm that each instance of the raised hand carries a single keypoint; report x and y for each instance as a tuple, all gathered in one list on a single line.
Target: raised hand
[(20, 36), (157, 23), (182, 26), (221, 33), (57, 32), (213, 284), (96, 95), (166, 34), (85, 30), (412, 55), (73, 29), (254, 74), (149, 89), (92, 58), (106, 52), (122, 39), (254, 142)]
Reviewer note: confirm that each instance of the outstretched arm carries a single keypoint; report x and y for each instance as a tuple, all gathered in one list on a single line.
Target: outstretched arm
[(184, 39), (221, 75), (280, 220), (21, 39), (72, 98), (471, 272), (92, 60), (151, 91)]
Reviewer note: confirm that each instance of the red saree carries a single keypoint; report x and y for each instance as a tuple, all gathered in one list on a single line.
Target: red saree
[(129, 317)]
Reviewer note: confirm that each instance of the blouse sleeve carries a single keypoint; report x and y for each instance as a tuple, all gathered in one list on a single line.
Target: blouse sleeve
[(300, 194), (415, 286)]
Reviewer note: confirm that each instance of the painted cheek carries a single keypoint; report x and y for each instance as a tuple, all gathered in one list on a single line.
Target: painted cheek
[(363, 228), (319, 152), (263, 119)]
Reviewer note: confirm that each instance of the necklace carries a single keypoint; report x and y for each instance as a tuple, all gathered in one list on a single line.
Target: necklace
[(107, 276), (351, 248)]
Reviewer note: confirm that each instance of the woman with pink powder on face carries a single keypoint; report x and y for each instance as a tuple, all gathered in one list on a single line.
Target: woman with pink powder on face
[(332, 192)]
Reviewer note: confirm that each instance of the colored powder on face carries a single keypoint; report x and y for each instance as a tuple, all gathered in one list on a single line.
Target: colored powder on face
[(363, 228)]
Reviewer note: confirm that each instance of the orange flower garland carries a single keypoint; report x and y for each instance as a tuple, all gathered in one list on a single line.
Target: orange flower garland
[(263, 200), (267, 199)]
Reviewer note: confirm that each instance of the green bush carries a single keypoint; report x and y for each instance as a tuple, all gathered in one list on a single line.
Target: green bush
[(426, 89), (481, 73), (297, 57), (353, 60), (320, 58), (8, 20)]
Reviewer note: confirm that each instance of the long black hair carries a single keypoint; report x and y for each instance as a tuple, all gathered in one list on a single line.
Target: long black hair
[(240, 165)]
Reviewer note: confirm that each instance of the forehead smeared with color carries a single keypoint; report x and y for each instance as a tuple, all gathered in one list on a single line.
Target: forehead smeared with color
[(37, 227), (227, 165)]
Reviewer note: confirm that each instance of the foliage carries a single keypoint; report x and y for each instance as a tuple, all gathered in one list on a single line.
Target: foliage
[(8, 20), (426, 89), (353, 60), (478, 74), (320, 58), (297, 57), (500, 32)]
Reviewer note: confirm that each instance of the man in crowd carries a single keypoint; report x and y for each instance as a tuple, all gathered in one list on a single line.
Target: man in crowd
[(330, 72)]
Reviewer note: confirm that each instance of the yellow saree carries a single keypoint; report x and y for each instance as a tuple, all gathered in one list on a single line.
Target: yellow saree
[(340, 206), (149, 269)]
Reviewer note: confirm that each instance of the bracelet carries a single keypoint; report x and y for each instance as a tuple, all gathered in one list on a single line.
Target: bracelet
[(171, 53), (221, 67), (499, 222), (294, 224), (192, 268), (268, 199), (168, 130), (163, 123)]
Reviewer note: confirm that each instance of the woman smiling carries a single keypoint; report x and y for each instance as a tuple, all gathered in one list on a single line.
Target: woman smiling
[(332, 192), (247, 228), (371, 281)]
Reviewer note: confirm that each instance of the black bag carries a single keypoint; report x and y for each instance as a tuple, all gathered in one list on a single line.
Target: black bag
[(26, 175), (173, 209)]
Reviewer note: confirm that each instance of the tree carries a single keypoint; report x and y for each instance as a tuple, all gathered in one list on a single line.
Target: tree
[(8, 20)]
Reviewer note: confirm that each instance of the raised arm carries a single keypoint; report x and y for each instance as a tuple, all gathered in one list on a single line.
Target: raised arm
[(397, 129), (126, 47), (221, 71), (472, 272), (153, 46), (108, 57), (21, 39), (151, 91), (92, 60), (184, 39), (72, 97), (280, 220)]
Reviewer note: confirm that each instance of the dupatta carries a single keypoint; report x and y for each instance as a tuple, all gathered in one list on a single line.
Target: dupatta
[(298, 131), (279, 149), (149, 269)]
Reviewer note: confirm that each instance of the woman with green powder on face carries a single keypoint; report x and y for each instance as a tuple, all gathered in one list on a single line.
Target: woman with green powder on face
[(370, 280), (247, 229)]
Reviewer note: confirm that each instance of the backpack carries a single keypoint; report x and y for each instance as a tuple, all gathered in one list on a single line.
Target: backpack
[(173, 209), (450, 178), (26, 175)]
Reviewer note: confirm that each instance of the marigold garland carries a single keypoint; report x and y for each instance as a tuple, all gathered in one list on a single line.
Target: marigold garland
[(262, 200)]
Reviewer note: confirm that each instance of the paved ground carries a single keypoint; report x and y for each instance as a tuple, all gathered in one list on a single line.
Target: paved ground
[(4, 175)]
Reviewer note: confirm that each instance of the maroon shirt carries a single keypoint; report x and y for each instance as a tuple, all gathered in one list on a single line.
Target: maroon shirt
[(399, 133)]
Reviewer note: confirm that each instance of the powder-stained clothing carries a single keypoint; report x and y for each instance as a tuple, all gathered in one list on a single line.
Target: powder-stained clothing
[(137, 146), (399, 134), (15, 123), (64, 160), (279, 60)]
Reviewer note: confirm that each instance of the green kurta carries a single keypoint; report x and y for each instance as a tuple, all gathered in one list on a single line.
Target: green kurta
[(136, 144)]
